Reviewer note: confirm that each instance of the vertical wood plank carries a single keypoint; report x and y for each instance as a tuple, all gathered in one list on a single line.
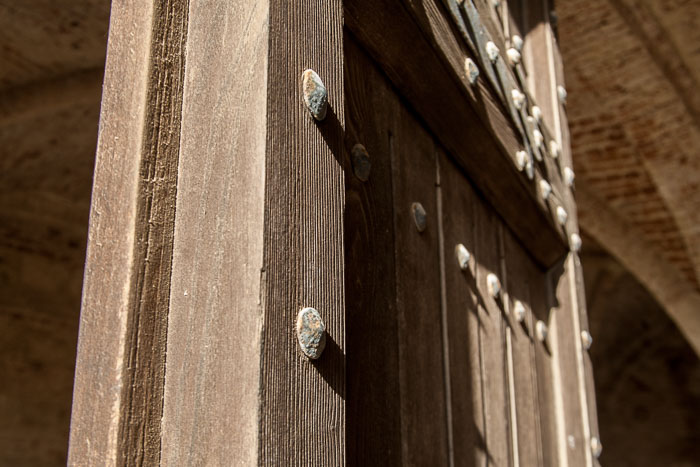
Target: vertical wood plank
[(423, 410), (118, 389), (463, 320), (492, 339), (213, 361), (536, 57), (302, 412), (373, 391), (571, 438), (543, 364), (519, 279)]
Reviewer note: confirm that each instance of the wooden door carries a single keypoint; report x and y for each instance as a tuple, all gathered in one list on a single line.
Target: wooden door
[(221, 207)]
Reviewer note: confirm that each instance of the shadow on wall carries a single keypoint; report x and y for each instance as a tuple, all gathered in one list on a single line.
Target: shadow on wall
[(647, 377)]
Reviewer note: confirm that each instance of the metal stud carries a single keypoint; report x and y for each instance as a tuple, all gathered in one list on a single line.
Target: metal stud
[(492, 51), (361, 165), (561, 92), (537, 113), (541, 331), (419, 216), (596, 447), (538, 137), (311, 332), (517, 42), (554, 149), (569, 176), (586, 339), (518, 98), (521, 159), (315, 94), (575, 242), (530, 170), (463, 257), (519, 311), (494, 285), (471, 69), (562, 215), (545, 189), (513, 56)]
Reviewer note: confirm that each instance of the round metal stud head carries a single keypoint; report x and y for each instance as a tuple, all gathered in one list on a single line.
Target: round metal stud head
[(361, 165), (420, 218), (562, 94), (586, 339), (554, 149), (537, 113), (519, 311), (545, 189), (517, 42), (562, 215), (530, 170), (518, 98), (315, 94), (569, 176), (494, 285), (596, 447), (521, 159), (513, 56), (575, 242), (463, 256), (538, 137), (541, 331), (492, 51), (471, 69), (311, 332)]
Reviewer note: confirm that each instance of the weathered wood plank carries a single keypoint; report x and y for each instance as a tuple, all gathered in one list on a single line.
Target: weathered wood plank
[(373, 392), (492, 338), (120, 366), (213, 362), (424, 421), (302, 412), (543, 363), (461, 298), (563, 340), (465, 126), (518, 266)]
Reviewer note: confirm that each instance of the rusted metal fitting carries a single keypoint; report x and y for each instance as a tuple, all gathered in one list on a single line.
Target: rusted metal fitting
[(545, 189), (596, 447), (463, 257), (472, 70), (494, 285), (562, 215), (575, 242), (361, 165), (586, 339), (541, 331), (569, 176), (311, 332), (419, 216), (315, 94), (519, 311)]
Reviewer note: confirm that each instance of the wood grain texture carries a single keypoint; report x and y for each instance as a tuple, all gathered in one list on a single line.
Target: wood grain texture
[(563, 340), (424, 420), (210, 414), (302, 412), (492, 339), (120, 366), (519, 280), (543, 364), (373, 392), (386, 30), (463, 320)]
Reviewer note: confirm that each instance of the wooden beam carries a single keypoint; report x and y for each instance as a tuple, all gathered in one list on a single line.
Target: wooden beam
[(117, 403)]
